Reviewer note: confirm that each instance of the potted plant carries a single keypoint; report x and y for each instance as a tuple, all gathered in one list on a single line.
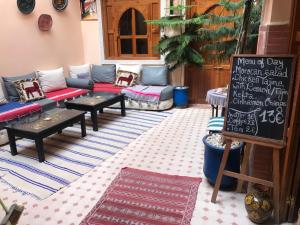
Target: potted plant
[(213, 151)]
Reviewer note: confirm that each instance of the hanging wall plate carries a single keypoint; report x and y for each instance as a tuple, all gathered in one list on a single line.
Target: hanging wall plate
[(26, 6), (45, 22), (60, 5)]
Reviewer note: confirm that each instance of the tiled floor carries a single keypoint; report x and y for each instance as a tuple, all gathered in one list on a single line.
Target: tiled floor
[(173, 147)]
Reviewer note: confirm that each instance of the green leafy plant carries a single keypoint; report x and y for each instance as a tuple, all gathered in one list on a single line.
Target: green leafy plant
[(221, 42), (216, 34)]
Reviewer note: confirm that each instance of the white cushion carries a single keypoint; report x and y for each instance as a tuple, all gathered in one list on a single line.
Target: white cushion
[(75, 70), (130, 68), (2, 94), (52, 80)]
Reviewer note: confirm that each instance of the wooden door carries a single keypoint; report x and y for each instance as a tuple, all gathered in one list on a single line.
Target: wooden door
[(291, 172), (212, 74), (201, 79)]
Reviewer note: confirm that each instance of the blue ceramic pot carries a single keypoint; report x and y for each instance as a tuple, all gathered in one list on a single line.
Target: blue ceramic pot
[(212, 161), (181, 96)]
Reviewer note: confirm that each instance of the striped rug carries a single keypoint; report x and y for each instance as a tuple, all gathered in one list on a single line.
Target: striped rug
[(68, 156), (143, 197)]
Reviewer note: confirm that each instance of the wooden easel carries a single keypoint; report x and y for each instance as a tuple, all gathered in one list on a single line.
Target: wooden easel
[(275, 184), (266, 131)]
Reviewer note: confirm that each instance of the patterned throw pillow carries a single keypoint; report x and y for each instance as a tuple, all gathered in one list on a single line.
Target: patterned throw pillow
[(125, 78), (29, 89)]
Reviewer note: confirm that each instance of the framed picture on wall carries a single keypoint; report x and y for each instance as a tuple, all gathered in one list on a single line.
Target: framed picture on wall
[(88, 9)]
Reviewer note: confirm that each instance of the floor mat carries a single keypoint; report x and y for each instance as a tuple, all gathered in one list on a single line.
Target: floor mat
[(68, 156), (143, 197)]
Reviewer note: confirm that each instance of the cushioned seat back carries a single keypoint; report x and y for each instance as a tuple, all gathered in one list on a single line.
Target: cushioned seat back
[(215, 124)]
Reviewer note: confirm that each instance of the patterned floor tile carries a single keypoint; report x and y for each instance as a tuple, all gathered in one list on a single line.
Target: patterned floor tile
[(173, 147)]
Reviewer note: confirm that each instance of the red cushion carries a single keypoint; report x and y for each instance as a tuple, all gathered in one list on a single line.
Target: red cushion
[(15, 110), (65, 93), (107, 87)]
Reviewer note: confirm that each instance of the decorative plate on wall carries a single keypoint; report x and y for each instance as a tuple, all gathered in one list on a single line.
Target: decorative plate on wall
[(26, 6), (45, 22), (60, 5)]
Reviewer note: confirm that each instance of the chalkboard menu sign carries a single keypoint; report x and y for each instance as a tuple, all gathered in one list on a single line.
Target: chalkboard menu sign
[(259, 95)]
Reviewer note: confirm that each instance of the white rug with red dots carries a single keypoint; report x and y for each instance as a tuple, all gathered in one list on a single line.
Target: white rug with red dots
[(173, 147)]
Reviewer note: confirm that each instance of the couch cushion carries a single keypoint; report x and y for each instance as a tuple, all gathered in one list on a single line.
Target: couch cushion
[(103, 73), (29, 90), (46, 104), (83, 76), (3, 99), (215, 124), (154, 75), (167, 93), (130, 68), (106, 87), (82, 69), (126, 78), (52, 80), (10, 88), (65, 93), (13, 110)]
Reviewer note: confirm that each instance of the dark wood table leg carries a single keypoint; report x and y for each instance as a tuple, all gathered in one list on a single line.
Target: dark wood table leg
[(223, 111), (12, 142), (83, 128), (123, 110), (94, 120), (40, 149)]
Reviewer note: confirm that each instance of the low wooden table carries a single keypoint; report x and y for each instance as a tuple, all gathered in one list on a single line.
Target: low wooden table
[(44, 125), (96, 103)]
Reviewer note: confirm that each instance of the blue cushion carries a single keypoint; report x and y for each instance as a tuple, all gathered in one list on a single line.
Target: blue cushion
[(215, 124), (10, 88), (103, 73), (155, 75), (83, 75)]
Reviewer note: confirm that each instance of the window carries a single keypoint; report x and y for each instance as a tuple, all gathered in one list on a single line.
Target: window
[(126, 34), (133, 33)]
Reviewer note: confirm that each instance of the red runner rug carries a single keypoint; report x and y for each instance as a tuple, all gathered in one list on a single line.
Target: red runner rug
[(146, 198)]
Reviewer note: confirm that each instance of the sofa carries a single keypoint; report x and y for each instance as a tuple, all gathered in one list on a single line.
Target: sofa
[(13, 109), (145, 87)]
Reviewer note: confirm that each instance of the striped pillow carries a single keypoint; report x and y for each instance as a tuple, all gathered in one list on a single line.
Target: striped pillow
[(215, 124)]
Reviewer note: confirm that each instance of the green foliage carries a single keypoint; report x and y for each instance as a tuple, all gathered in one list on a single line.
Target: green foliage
[(179, 49), (216, 34), (221, 42)]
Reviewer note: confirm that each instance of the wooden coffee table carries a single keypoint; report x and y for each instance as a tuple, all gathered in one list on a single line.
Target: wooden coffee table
[(38, 127), (95, 103)]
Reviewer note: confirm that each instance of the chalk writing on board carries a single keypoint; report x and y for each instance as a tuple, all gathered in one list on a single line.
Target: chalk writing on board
[(258, 96), (243, 122)]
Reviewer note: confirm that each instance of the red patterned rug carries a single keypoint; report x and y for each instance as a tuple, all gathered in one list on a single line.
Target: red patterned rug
[(146, 198)]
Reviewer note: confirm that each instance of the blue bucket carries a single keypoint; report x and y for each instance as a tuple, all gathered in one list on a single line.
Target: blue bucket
[(181, 96), (212, 161)]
